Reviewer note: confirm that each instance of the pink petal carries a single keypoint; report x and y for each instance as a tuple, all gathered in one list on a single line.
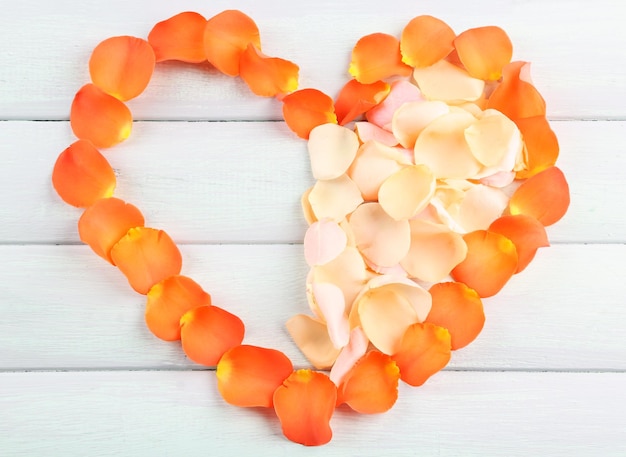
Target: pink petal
[(349, 355), (480, 207), (401, 92), (368, 131), (499, 179), (323, 241), (330, 300)]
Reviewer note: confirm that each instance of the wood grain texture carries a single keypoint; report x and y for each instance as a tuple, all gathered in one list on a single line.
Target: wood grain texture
[(242, 182), (576, 68), (180, 413)]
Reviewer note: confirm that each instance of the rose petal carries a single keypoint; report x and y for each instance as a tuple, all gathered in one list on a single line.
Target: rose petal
[(515, 96), (181, 37), (435, 251), (400, 92), (442, 147), (267, 76), (491, 261), (374, 163), (541, 146), (411, 118), (247, 376), (304, 404), (371, 386), (494, 140), (168, 301), (335, 198), (305, 109), (407, 192), (99, 118), (350, 353), (226, 37), (82, 175), (484, 51), (104, 223), (356, 98), (545, 196), (426, 40), (480, 207), (312, 338), (207, 332), (459, 309), (500, 179), (307, 210), (122, 66), (146, 256), (446, 82), (366, 131), (379, 237), (424, 350), (526, 233), (332, 305), (323, 241), (375, 57), (332, 149)]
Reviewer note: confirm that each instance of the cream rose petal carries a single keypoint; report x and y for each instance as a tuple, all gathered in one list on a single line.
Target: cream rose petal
[(335, 198), (381, 239), (349, 355), (442, 147), (435, 251), (500, 179), (480, 207), (311, 337), (401, 92), (446, 82), (331, 303), (407, 192), (419, 297), (307, 210), (323, 241), (494, 140), (332, 149), (411, 118), (368, 131), (374, 163)]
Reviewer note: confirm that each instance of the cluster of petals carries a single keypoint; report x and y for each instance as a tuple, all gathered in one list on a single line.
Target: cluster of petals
[(435, 179), (433, 188)]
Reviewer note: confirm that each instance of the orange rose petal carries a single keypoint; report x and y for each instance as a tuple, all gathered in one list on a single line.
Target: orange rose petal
[(122, 66), (526, 233), (304, 404), (356, 98), (305, 109), (207, 332), (515, 96), (407, 192), (312, 338), (267, 76), (484, 51), (146, 256), (82, 175), (226, 37), (371, 386), (181, 37), (541, 145), (99, 118), (247, 376), (435, 250), (107, 221), (491, 261), (381, 239), (426, 40), (168, 301), (459, 309), (375, 57), (545, 196), (425, 349)]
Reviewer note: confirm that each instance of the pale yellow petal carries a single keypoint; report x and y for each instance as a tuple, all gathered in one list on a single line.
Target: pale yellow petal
[(446, 82), (494, 140), (407, 192), (411, 118), (335, 198), (332, 149), (311, 337)]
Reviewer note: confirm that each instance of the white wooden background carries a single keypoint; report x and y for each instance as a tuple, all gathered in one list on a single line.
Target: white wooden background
[(80, 375)]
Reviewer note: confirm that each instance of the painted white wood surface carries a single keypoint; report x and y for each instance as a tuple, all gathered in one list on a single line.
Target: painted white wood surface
[(547, 375)]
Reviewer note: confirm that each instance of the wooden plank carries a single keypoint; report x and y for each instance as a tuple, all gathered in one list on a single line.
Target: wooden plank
[(180, 413), (39, 75), (242, 182), (64, 308)]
